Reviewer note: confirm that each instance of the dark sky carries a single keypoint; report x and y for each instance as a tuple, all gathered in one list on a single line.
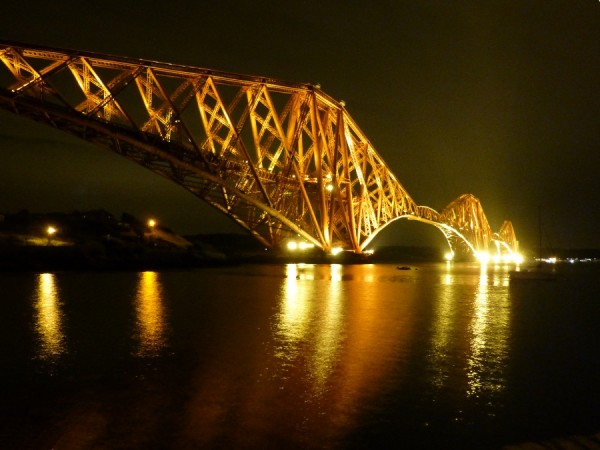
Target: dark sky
[(500, 99)]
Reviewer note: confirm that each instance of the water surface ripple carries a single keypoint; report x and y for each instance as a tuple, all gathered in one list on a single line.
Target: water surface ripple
[(298, 356)]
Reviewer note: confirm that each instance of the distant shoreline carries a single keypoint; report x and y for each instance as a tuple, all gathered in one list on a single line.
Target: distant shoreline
[(71, 258), (97, 240)]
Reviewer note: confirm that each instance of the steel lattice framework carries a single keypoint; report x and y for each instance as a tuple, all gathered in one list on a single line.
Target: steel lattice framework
[(281, 159)]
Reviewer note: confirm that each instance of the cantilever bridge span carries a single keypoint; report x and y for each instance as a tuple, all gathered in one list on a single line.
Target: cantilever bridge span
[(283, 160)]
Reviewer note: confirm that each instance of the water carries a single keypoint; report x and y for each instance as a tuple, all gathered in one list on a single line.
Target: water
[(297, 356)]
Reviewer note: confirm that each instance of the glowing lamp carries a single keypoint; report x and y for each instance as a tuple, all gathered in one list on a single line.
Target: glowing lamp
[(483, 257)]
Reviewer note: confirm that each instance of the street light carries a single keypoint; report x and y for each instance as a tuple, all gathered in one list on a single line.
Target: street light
[(50, 231), (150, 236)]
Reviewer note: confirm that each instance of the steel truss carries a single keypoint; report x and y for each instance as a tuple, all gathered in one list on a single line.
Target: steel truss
[(281, 159)]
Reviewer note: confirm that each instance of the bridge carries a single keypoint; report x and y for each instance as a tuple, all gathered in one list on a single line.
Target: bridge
[(283, 160)]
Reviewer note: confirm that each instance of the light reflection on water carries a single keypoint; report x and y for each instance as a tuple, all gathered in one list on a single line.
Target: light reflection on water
[(330, 334), (442, 332), (490, 333), (294, 308), (49, 319), (347, 331), (151, 327), (472, 331), (308, 354), (304, 319)]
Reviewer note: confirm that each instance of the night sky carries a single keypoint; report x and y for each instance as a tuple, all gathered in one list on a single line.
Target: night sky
[(500, 99)]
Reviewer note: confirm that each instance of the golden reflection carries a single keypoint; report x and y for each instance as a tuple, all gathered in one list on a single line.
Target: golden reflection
[(336, 341), (295, 307), (344, 338), (330, 331), (478, 344), (49, 318), (151, 323), (471, 327), (368, 276), (443, 328), (489, 336), (336, 273)]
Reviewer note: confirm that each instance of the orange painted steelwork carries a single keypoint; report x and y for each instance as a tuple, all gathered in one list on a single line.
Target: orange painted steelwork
[(283, 160)]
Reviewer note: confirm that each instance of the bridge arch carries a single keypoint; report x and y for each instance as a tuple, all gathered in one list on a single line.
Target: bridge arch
[(448, 225)]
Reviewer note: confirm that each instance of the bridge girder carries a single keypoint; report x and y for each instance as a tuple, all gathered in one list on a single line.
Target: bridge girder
[(281, 159)]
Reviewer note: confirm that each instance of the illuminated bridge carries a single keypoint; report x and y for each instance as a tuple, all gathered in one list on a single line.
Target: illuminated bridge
[(284, 160)]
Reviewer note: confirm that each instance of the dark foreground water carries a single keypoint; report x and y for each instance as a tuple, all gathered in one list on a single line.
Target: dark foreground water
[(326, 356)]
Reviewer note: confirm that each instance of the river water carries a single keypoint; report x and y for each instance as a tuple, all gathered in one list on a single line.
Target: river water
[(297, 356)]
